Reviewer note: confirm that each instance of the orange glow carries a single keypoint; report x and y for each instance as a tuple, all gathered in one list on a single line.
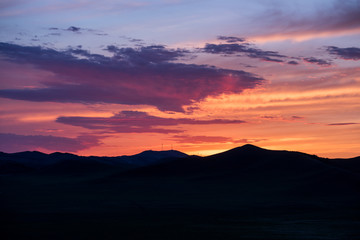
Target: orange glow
[(304, 36)]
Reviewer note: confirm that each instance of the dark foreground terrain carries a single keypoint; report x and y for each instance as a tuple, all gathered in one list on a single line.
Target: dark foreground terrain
[(244, 193)]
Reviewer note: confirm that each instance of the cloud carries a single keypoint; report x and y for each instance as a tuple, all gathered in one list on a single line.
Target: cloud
[(320, 62), (147, 54), (208, 139), (335, 19), (341, 124), (133, 76), (73, 29), (281, 118), (231, 39), (292, 62), (16, 143), (351, 53), (138, 122), (296, 117), (225, 48), (236, 48)]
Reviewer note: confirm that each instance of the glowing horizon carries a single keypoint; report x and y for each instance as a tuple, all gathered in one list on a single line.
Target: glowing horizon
[(203, 77)]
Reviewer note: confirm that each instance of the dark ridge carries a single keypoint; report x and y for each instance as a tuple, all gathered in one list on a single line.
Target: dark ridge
[(244, 193), (57, 162), (237, 162), (351, 164), (8, 167)]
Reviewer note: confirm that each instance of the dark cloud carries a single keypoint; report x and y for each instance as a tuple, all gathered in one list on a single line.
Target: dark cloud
[(137, 122), (133, 76), (341, 124), (231, 39), (15, 143), (236, 48), (351, 53), (296, 117), (292, 62), (73, 29), (266, 59), (225, 48), (208, 139), (147, 54), (320, 62)]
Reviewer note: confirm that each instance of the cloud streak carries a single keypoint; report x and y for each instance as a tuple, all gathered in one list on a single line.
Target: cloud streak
[(243, 48), (209, 139), (318, 61), (230, 39), (15, 143), (138, 122), (341, 124), (133, 76), (339, 18)]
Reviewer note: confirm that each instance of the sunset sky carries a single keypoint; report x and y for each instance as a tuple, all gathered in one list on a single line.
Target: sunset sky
[(110, 78)]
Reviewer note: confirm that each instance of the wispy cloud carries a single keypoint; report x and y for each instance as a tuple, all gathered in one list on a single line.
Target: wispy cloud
[(281, 118), (317, 61), (339, 18), (342, 124), (230, 39), (15, 143), (243, 48), (209, 139)]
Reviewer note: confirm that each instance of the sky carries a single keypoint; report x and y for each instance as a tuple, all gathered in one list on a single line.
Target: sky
[(111, 78)]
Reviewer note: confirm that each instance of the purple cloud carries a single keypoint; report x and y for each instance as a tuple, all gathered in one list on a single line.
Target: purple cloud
[(317, 61), (336, 18), (296, 117), (133, 76), (137, 122), (292, 62), (231, 39), (351, 53), (236, 48), (147, 54), (341, 124), (73, 29), (15, 143)]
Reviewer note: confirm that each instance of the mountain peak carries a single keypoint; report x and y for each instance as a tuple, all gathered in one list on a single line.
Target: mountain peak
[(250, 147)]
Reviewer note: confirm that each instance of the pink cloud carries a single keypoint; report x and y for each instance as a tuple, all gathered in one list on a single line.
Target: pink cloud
[(146, 75)]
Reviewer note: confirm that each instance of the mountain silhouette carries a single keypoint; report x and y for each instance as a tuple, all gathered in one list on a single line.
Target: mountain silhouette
[(70, 163), (247, 159), (243, 193), (283, 172)]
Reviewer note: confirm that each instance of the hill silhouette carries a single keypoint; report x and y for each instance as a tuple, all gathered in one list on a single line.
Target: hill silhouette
[(70, 163), (244, 193)]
